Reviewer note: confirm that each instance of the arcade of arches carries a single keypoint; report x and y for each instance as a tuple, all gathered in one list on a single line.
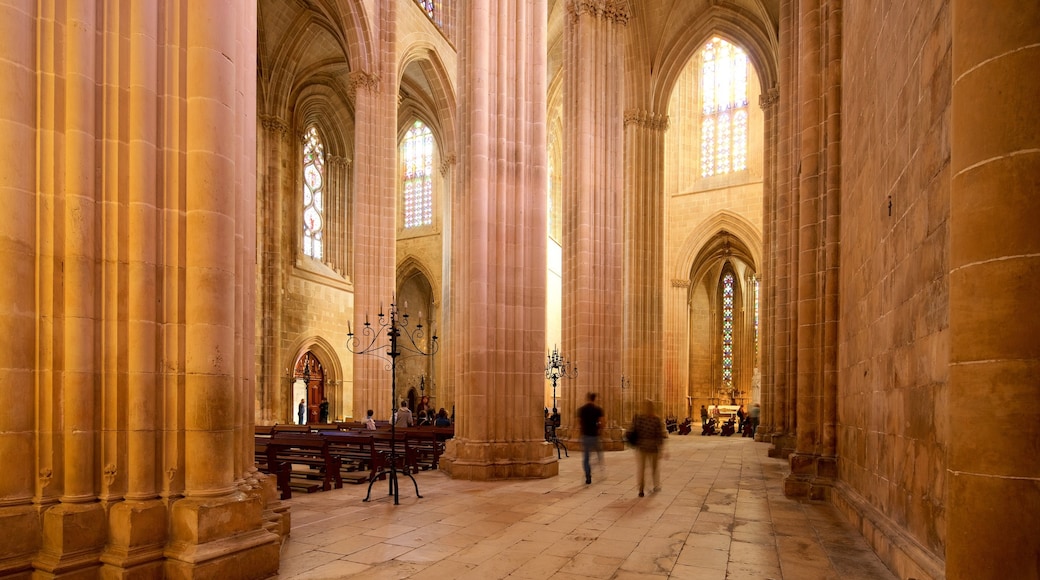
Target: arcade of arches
[(824, 208)]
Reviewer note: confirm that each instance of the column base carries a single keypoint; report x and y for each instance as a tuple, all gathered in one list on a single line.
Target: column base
[(137, 536), (783, 445), (17, 550), (220, 538), (484, 461), (73, 537), (812, 477)]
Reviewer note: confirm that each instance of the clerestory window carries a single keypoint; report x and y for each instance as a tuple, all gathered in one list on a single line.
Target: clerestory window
[(417, 174), (313, 194), (724, 110)]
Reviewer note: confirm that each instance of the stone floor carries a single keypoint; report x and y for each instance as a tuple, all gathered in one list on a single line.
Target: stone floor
[(720, 515)]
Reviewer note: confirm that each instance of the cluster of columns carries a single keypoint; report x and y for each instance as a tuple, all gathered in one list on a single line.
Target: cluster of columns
[(128, 166), (375, 191), (800, 413), (593, 130), (499, 273)]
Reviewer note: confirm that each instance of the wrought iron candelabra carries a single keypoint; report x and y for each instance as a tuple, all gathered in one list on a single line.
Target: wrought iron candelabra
[(556, 368), (401, 340)]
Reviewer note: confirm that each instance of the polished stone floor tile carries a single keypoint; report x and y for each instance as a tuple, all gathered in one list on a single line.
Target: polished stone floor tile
[(720, 515)]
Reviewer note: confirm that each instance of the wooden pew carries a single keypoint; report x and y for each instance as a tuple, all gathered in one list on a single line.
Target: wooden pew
[(309, 460), (357, 453), (426, 447), (281, 471)]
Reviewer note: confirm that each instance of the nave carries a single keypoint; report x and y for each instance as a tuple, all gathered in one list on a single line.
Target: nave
[(721, 514)]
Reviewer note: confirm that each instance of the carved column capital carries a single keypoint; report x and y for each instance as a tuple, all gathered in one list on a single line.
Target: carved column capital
[(359, 79), (680, 283), (447, 163), (337, 162), (615, 11), (274, 124), (769, 98), (646, 119)]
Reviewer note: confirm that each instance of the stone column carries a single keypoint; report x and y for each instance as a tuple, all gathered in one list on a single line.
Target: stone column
[(993, 479), (814, 464), (644, 275), (375, 194), (499, 274), (592, 207), (273, 404), (18, 309), (768, 100), (216, 530), (74, 528), (781, 416)]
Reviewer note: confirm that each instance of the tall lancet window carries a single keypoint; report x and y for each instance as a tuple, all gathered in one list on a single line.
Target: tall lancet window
[(727, 330), (417, 173), (756, 319), (724, 112), (313, 194)]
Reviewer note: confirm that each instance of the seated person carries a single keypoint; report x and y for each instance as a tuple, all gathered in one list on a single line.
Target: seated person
[(442, 419)]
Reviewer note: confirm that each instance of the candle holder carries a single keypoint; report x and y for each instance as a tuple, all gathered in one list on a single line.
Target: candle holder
[(401, 339), (557, 368)]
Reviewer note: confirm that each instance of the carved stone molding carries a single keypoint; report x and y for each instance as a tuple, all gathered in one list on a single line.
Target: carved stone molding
[(680, 283), (447, 163), (45, 476), (337, 162), (769, 98), (274, 125), (646, 119), (110, 474), (613, 10), (360, 79)]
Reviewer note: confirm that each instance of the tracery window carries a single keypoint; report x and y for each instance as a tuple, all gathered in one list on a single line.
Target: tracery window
[(724, 112), (727, 330), (417, 173), (313, 194), (433, 10)]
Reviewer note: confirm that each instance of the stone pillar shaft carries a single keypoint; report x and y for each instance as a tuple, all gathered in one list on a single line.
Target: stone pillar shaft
[(499, 329), (141, 382), (376, 191), (780, 412), (274, 367), (592, 204), (210, 258), (994, 480), (20, 255), (644, 254)]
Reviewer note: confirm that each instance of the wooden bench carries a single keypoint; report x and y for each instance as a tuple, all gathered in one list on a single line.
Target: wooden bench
[(311, 466), (427, 448), (281, 471), (359, 458)]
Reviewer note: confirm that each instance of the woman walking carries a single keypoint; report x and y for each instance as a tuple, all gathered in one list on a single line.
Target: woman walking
[(650, 434)]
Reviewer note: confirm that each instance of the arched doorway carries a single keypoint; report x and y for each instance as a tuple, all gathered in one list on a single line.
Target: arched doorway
[(308, 389)]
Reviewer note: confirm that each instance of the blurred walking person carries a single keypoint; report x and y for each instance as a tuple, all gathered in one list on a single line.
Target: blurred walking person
[(650, 434), (591, 419)]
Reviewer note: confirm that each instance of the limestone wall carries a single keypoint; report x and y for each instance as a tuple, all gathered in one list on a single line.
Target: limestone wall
[(893, 341)]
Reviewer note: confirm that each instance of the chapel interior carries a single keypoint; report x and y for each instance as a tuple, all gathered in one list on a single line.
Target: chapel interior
[(823, 208)]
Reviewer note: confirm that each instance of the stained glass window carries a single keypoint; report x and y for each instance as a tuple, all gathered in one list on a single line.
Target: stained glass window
[(724, 114), (313, 194), (433, 11), (417, 170), (727, 330), (756, 318)]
